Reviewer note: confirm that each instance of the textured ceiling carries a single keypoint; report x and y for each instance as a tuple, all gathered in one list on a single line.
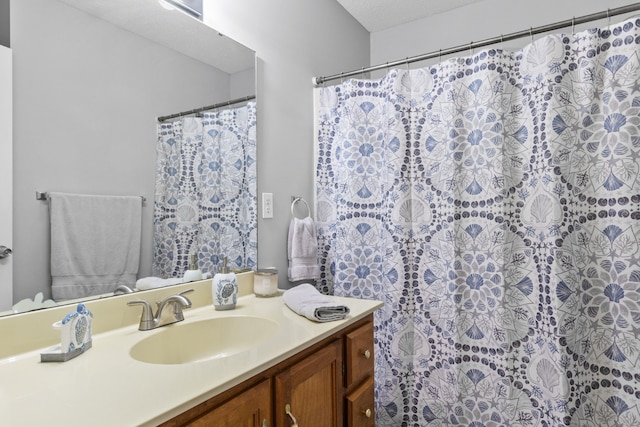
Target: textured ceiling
[(377, 15)]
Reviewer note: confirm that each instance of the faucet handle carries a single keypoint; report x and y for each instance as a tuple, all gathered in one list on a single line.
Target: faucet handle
[(188, 291), (146, 320), (179, 303)]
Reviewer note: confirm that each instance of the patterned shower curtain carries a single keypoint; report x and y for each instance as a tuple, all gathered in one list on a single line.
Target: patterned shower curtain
[(205, 201), (492, 203)]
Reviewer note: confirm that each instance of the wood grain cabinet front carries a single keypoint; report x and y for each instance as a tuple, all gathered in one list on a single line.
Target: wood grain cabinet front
[(359, 392), (251, 408), (360, 405), (308, 393), (359, 354)]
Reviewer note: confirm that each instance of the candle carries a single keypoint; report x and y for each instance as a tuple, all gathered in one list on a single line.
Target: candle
[(265, 282)]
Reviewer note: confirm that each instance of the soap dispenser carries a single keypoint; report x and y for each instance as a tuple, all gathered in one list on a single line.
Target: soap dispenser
[(224, 289), (193, 273)]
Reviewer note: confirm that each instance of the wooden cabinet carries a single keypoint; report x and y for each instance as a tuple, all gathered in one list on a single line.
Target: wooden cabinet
[(359, 354), (251, 408), (307, 393), (359, 376), (329, 384), (360, 405)]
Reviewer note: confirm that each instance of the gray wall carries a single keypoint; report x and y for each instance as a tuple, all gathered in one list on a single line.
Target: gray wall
[(294, 40), (4, 24), (82, 126), (483, 20)]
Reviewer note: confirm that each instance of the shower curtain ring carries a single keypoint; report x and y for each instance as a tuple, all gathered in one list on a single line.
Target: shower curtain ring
[(531, 33), (471, 48), (573, 26), (406, 60), (439, 55), (608, 17)]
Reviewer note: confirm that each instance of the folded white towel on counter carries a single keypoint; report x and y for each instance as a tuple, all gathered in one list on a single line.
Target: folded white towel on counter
[(303, 250), (156, 282), (307, 301)]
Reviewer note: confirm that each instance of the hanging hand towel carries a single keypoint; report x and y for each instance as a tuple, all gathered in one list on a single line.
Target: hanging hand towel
[(303, 250), (95, 243), (307, 301)]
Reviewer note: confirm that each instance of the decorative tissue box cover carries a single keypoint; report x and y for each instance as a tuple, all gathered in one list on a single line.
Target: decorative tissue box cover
[(76, 328), (75, 336)]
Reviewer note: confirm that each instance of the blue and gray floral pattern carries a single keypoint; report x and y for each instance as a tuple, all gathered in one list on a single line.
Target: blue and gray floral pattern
[(492, 203), (205, 202)]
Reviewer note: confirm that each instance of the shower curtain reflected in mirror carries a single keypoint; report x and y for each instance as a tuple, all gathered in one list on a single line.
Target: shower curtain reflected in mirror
[(205, 201), (492, 203)]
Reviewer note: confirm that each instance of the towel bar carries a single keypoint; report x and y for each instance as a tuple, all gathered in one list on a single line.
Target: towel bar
[(43, 195)]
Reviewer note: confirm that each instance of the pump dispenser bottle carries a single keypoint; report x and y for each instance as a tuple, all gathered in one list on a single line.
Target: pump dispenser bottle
[(193, 273), (224, 289)]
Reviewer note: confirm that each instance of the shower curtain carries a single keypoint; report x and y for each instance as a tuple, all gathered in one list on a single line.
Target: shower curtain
[(492, 203), (205, 201)]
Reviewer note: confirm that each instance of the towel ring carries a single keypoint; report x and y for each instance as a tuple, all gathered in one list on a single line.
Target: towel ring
[(296, 200)]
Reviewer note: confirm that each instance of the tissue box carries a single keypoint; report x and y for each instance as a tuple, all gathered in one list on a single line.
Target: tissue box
[(75, 336)]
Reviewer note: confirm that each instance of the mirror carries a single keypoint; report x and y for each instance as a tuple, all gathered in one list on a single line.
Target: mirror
[(90, 78)]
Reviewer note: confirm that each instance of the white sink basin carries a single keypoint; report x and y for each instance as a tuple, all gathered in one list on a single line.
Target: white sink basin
[(203, 340)]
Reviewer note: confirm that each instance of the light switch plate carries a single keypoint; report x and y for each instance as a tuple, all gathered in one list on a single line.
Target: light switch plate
[(267, 205)]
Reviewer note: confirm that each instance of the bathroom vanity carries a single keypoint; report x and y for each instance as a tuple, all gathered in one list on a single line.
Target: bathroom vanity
[(327, 384), (248, 366)]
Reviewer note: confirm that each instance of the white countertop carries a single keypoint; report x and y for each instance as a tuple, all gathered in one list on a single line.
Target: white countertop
[(107, 387)]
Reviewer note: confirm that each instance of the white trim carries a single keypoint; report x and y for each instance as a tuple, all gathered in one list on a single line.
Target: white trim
[(6, 176)]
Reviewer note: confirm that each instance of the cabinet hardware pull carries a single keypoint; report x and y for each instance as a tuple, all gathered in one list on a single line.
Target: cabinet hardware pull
[(366, 354), (367, 413), (265, 423), (287, 410)]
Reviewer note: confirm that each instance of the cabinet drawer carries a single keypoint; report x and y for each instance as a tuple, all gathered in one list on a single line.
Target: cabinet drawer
[(359, 352), (360, 406)]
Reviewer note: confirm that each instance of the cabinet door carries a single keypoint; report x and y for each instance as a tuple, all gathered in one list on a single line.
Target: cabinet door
[(311, 390), (251, 408)]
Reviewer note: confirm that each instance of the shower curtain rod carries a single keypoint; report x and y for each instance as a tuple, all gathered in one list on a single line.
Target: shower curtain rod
[(209, 107), (502, 38)]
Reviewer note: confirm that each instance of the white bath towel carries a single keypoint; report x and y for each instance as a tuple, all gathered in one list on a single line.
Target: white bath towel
[(307, 301), (95, 243), (303, 250), (157, 282)]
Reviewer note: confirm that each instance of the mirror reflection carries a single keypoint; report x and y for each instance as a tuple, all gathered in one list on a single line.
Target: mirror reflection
[(90, 79)]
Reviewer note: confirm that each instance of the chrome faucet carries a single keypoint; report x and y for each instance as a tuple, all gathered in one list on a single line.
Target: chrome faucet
[(148, 321), (122, 289)]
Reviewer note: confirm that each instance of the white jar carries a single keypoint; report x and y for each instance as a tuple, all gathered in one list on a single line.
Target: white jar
[(265, 282)]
